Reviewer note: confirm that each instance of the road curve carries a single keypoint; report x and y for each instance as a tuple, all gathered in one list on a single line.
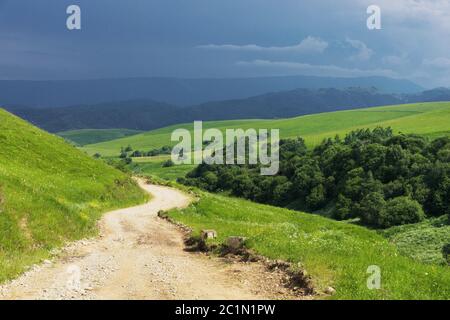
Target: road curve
[(140, 256)]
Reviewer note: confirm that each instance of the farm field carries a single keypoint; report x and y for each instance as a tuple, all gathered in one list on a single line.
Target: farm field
[(430, 119)]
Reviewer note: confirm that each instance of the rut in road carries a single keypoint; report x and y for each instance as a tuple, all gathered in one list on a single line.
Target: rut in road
[(140, 256)]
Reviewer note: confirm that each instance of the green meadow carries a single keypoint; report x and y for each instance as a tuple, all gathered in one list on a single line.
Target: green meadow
[(431, 119), (153, 166), (50, 193), (89, 136), (333, 253)]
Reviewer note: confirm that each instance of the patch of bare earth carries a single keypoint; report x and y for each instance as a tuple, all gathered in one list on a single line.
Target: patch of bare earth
[(140, 256)]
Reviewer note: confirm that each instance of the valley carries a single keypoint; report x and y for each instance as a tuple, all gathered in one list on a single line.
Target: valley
[(411, 264), (225, 150), (424, 118)]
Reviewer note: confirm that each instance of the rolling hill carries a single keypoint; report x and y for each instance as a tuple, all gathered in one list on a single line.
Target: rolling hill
[(50, 193), (333, 253), (133, 115), (89, 136), (148, 114), (423, 118)]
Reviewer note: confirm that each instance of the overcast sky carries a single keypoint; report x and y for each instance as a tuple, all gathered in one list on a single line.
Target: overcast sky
[(225, 38)]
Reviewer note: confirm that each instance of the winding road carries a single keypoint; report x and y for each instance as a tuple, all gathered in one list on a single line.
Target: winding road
[(140, 256)]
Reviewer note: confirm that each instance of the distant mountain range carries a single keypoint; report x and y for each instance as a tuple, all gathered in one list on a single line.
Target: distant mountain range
[(149, 114), (180, 92)]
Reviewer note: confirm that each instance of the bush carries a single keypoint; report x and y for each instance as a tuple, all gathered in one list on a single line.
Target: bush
[(373, 208), (446, 252), (168, 163), (358, 177), (400, 210), (316, 198)]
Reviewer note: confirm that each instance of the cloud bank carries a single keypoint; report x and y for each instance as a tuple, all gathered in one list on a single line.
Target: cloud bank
[(307, 45)]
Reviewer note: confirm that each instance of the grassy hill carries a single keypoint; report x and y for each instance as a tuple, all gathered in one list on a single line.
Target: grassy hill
[(422, 241), (153, 166), (50, 193), (90, 136), (333, 253), (431, 119)]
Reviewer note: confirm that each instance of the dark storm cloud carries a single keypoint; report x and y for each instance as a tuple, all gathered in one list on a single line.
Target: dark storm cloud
[(202, 38)]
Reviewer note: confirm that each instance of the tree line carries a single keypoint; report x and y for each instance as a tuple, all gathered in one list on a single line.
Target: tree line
[(374, 176)]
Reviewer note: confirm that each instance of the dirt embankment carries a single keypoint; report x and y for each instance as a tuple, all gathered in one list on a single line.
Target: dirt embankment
[(140, 256)]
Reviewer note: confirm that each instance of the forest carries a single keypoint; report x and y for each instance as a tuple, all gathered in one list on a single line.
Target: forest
[(376, 177)]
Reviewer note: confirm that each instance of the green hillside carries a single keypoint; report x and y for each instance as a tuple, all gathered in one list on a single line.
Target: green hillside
[(50, 193), (333, 253), (90, 136), (424, 118), (154, 166)]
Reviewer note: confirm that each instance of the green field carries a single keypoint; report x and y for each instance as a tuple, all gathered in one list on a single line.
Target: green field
[(89, 136), (50, 193), (422, 241), (153, 166), (432, 119), (333, 253)]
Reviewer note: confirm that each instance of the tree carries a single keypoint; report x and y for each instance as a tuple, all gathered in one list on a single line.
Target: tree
[(400, 210), (136, 154), (316, 199), (343, 208), (123, 155), (168, 163), (373, 207)]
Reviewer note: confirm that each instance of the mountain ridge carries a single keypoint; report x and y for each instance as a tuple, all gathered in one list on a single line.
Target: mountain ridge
[(149, 114), (177, 91)]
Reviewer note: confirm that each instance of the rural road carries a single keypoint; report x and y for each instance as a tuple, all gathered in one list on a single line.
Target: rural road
[(140, 256)]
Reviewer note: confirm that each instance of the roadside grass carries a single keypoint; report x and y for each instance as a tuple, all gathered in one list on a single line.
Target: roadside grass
[(431, 119), (50, 193), (422, 241), (333, 253), (89, 136)]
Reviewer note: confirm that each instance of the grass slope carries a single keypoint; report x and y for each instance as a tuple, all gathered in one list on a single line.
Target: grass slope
[(422, 241), (423, 118), (90, 136), (333, 253), (50, 193), (153, 166)]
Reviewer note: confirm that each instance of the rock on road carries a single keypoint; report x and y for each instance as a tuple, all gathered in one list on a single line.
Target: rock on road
[(140, 256)]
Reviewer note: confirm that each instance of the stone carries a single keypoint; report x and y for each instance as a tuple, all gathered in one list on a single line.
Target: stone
[(235, 243), (208, 234), (330, 290)]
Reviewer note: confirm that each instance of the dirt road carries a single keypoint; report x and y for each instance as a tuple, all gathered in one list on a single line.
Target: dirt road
[(140, 256)]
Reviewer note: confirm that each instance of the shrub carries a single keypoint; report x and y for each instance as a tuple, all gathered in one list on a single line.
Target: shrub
[(400, 210), (316, 198), (373, 208), (446, 252), (168, 163)]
